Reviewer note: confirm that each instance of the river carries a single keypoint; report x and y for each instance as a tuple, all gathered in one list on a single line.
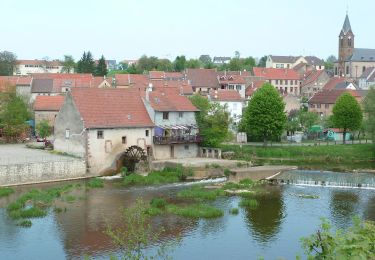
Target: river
[(271, 231)]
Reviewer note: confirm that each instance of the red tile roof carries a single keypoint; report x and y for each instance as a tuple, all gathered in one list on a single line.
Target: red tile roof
[(331, 84), (202, 77), (176, 75), (272, 73), (137, 80), (39, 62), (312, 77), (48, 103), (178, 85), (169, 99), (257, 84), (106, 108), (231, 79), (226, 95), (154, 74), (330, 96)]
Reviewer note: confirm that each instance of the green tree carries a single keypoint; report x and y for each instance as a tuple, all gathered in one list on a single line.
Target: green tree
[(147, 63), (205, 59), (264, 117), (135, 234), (355, 243), (164, 65), (68, 64), (101, 68), (307, 119), (7, 63), (179, 63), (369, 109), (328, 64), (262, 62), (347, 113), (213, 121), (44, 129), (86, 64), (193, 64)]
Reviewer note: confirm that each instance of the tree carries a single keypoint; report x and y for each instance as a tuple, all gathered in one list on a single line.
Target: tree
[(179, 63), (68, 64), (193, 64), (347, 113), (237, 55), (205, 59), (262, 62), (328, 64), (164, 65), (369, 109), (7, 63), (44, 129), (147, 63), (86, 64), (213, 121), (101, 68), (307, 119), (264, 117)]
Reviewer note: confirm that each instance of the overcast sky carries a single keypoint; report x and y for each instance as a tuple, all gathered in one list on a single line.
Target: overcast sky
[(122, 29)]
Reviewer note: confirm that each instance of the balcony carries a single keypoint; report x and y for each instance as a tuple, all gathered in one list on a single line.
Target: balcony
[(177, 139)]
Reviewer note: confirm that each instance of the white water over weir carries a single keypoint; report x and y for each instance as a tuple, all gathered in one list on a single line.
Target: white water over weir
[(328, 179)]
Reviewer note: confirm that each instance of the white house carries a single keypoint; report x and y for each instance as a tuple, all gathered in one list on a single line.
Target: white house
[(231, 100), (27, 67)]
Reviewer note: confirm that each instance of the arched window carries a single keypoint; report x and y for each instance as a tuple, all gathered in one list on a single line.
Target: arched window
[(350, 42), (342, 42)]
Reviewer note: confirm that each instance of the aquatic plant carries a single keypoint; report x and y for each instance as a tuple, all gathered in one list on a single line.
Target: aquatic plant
[(198, 192), (5, 191), (95, 183), (234, 211), (158, 203), (25, 223), (248, 203), (195, 211), (70, 198)]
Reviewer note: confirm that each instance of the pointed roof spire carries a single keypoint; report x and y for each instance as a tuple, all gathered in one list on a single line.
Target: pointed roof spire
[(346, 27)]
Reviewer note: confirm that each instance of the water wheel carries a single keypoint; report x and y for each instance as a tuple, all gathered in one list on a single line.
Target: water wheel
[(133, 155)]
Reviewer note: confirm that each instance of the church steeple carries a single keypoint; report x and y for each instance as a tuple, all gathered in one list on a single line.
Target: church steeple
[(346, 46), (346, 27)]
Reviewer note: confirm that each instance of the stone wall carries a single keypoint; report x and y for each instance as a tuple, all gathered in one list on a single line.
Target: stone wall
[(27, 173)]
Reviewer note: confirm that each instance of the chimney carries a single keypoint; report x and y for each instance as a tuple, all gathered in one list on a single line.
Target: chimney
[(181, 90), (148, 90)]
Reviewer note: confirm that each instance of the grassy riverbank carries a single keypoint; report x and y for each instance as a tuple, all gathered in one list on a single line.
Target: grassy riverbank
[(334, 157)]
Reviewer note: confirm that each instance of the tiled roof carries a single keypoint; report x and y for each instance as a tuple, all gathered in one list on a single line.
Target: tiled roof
[(272, 73), (42, 86), (178, 85), (299, 66), (346, 26), (368, 73), (257, 84), (313, 60), (169, 99), (231, 79), (39, 62), (360, 54), (17, 80), (48, 103), (54, 82), (174, 75), (226, 95), (202, 77), (106, 108), (284, 59), (131, 79), (312, 77), (243, 73), (330, 96), (331, 84), (154, 74)]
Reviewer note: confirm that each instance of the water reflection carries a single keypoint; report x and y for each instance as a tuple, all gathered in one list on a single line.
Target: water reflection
[(264, 221), (369, 212), (343, 207)]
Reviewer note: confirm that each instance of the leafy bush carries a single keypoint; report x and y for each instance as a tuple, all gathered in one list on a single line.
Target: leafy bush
[(5, 191)]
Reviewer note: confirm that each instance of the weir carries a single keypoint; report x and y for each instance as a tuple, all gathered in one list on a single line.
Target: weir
[(326, 178)]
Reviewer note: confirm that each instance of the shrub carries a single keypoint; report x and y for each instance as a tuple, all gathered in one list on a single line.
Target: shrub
[(95, 183), (158, 203), (5, 191), (226, 172), (248, 203), (195, 211)]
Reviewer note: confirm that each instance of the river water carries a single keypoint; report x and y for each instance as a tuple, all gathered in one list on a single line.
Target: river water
[(273, 230)]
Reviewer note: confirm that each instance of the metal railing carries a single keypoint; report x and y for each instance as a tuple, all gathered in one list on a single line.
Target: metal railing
[(177, 139)]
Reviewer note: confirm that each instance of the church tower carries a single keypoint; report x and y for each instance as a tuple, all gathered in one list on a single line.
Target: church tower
[(346, 44)]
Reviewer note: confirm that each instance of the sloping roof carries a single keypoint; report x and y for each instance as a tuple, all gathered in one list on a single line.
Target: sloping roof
[(169, 99), (361, 54), (255, 85), (39, 62), (17, 80), (272, 73), (331, 84), (344, 85), (226, 95), (284, 59), (368, 72), (177, 85), (154, 74), (312, 77), (202, 77), (330, 96), (54, 82), (42, 86), (174, 75), (231, 79), (313, 60), (106, 108), (131, 79), (243, 73), (299, 66), (346, 26), (48, 103)]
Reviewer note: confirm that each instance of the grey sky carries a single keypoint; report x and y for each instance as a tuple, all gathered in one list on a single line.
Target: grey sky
[(122, 29)]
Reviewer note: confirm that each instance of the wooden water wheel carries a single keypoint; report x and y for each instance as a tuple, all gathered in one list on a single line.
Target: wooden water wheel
[(133, 155)]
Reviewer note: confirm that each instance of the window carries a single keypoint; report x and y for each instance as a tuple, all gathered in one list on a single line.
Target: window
[(295, 82), (326, 105), (336, 71), (363, 68), (123, 139), (180, 114), (165, 115), (238, 87), (318, 105), (147, 132), (186, 147), (312, 106), (277, 82), (67, 133), (347, 69), (350, 41), (281, 81), (286, 82), (100, 134)]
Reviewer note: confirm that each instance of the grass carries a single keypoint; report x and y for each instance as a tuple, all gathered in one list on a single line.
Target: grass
[(248, 203), (25, 223), (332, 157), (243, 184), (95, 183), (167, 175), (234, 211), (195, 211), (70, 198), (158, 203), (200, 193), (5, 191)]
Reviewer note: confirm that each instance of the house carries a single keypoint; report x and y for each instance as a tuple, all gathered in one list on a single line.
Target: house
[(22, 84), (176, 134), (101, 125), (367, 78), (183, 87), (254, 86), (294, 62), (231, 100), (313, 81), (314, 62), (138, 81), (47, 107), (221, 60), (27, 67), (233, 82), (202, 80), (287, 81), (322, 102), (352, 62), (340, 83)]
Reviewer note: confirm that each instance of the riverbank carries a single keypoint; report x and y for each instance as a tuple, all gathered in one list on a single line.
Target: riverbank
[(334, 158)]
